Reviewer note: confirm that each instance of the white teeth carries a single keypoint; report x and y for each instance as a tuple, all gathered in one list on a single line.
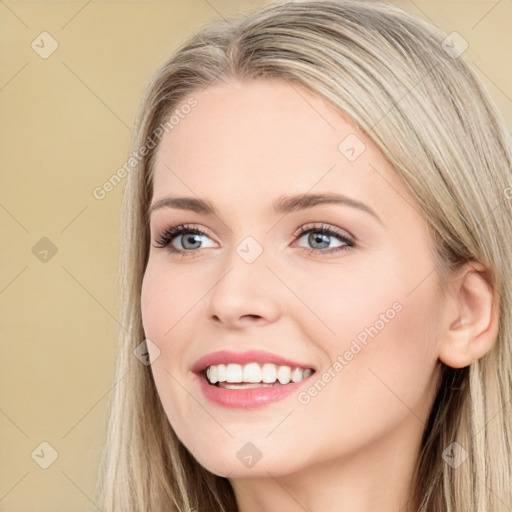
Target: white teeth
[(233, 372), (213, 374), (284, 374), (297, 374), (253, 373), (221, 372), (243, 385), (269, 373)]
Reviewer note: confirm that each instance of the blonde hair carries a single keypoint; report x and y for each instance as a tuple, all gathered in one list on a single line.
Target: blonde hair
[(432, 118)]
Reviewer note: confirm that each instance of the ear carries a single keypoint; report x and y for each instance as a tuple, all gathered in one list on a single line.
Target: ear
[(472, 317)]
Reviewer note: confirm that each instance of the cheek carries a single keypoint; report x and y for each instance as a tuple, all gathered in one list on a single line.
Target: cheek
[(375, 325), (343, 301), (151, 303), (163, 301), (161, 311), (166, 309)]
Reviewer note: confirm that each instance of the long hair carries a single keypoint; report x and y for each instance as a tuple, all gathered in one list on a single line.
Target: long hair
[(407, 86)]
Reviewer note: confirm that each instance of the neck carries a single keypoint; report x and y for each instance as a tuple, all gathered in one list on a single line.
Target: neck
[(378, 477)]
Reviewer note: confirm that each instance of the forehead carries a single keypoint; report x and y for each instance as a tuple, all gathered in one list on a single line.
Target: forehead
[(256, 139)]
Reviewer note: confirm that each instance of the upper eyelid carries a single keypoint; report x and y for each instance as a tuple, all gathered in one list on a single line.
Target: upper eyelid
[(323, 227), (298, 232)]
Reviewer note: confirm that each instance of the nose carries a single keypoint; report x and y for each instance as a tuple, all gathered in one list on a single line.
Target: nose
[(245, 294)]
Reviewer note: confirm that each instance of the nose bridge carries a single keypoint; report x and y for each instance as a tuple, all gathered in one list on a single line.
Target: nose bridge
[(245, 268), (245, 286)]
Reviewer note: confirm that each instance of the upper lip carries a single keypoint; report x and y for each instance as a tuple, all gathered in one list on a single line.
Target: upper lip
[(249, 356)]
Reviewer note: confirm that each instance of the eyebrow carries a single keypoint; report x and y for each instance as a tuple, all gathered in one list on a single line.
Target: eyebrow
[(283, 205)]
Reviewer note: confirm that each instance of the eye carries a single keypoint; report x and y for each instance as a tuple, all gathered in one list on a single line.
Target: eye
[(320, 237), (190, 239)]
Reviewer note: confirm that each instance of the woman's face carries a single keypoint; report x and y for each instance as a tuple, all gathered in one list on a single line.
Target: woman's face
[(355, 298)]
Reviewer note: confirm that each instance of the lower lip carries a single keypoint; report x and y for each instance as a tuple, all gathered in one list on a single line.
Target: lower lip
[(248, 398)]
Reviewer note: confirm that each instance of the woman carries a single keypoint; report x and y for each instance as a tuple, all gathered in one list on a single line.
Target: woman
[(315, 274)]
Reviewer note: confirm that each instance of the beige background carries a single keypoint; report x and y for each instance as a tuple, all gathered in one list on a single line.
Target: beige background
[(64, 130)]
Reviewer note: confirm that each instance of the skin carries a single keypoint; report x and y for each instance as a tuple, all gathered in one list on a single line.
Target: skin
[(354, 445)]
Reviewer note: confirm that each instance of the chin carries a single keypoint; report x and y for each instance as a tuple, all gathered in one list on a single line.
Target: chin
[(245, 462)]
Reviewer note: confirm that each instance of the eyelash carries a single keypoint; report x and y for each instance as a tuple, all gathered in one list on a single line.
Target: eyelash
[(173, 232)]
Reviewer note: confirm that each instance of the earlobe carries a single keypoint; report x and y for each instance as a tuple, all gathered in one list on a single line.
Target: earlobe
[(472, 328)]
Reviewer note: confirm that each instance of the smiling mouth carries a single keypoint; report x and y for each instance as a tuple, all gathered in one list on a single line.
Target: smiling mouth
[(254, 375)]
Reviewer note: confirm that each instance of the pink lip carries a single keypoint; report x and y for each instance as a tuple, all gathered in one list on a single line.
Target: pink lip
[(250, 356), (246, 398)]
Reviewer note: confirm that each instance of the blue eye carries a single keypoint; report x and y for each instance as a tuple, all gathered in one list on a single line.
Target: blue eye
[(190, 239), (189, 236), (318, 237)]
